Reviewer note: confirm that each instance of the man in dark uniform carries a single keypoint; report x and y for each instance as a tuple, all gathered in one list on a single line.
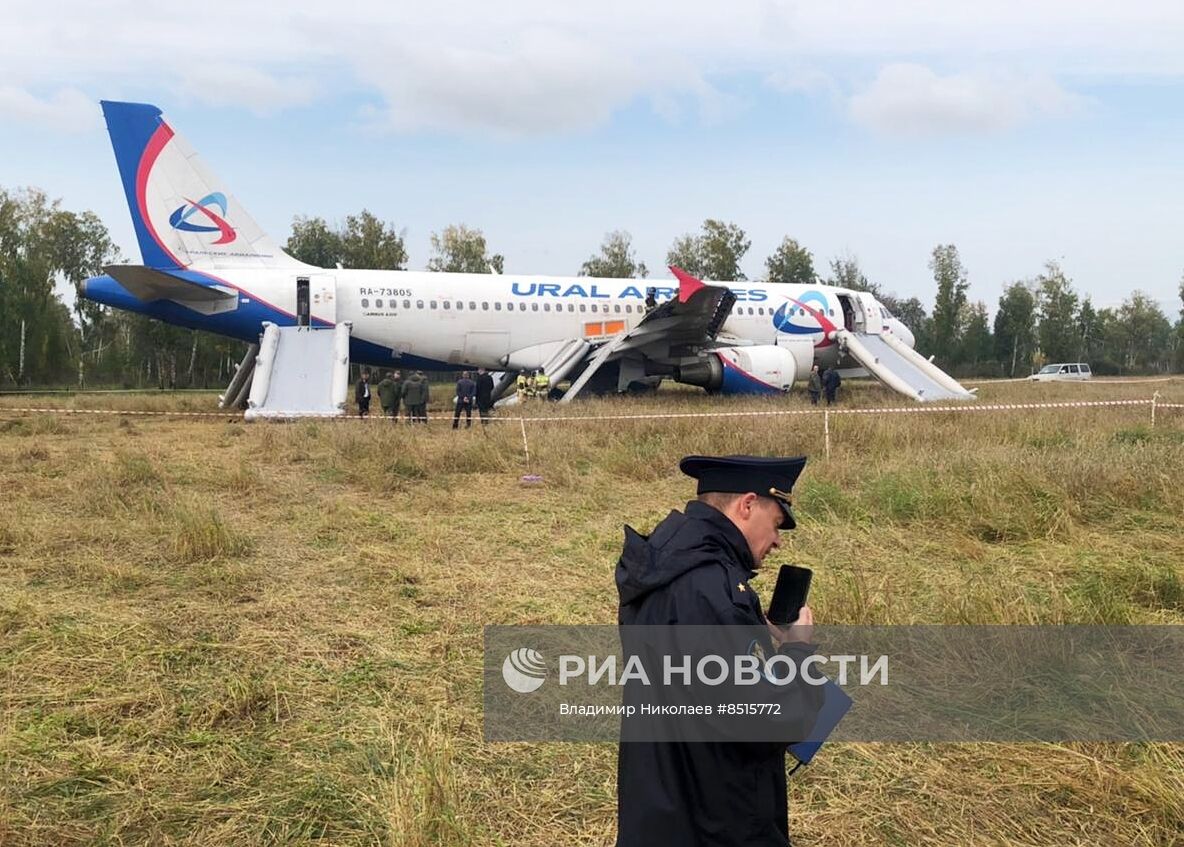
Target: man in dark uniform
[(830, 383), (484, 395), (694, 569)]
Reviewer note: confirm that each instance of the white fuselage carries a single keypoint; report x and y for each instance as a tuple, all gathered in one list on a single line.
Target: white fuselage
[(514, 321)]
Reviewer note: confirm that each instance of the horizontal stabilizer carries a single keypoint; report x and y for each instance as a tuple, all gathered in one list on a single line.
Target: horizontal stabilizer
[(149, 284)]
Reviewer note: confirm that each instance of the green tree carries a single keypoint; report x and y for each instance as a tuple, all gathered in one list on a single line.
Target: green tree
[(715, 253), (911, 313), (1089, 332), (368, 243), (977, 343), (1142, 335), (1057, 332), (791, 262), (1015, 329), (616, 259), (846, 273), (459, 249), (42, 246), (685, 253), (1179, 357), (950, 303), (312, 241)]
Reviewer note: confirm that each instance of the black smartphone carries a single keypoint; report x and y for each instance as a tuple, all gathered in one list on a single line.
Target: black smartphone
[(793, 584)]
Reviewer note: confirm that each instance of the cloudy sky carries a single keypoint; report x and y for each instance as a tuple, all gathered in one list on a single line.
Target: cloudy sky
[(1019, 131)]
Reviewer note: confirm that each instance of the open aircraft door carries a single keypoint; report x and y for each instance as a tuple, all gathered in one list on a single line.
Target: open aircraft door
[(869, 311), (321, 298)]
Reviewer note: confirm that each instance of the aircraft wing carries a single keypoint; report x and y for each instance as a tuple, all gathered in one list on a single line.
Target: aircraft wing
[(151, 284), (691, 320), (675, 329)]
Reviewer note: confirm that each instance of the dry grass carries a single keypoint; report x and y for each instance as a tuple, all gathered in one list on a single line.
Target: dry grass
[(217, 633)]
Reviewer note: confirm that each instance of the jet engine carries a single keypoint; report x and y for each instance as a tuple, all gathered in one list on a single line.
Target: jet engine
[(761, 369)]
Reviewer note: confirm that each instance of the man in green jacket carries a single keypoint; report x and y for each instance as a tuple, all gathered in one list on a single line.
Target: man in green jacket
[(415, 398), (390, 392)]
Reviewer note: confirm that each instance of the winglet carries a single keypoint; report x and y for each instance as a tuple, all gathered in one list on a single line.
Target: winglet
[(687, 284)]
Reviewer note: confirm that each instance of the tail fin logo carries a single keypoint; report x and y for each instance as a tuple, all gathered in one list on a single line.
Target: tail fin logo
[(179, 219)]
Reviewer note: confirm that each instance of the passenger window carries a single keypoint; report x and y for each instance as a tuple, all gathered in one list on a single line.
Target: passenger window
[(534, 307), (419, 304), (365, 303), (432, 304), (546, 307), (1085, 369), (377, 304), (472, 305), (460, 305), (484, 306), (406, 304), (571, 307), (583, 307), (617, 307), (497, 306), (522, 307), (1073, 369), (447, 304), (1064, 369)]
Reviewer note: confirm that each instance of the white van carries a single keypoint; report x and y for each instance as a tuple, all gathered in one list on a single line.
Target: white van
[(1062, 370)]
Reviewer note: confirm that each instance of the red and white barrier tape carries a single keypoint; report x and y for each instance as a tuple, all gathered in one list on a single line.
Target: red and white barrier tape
[(445, 417), (143, 412)]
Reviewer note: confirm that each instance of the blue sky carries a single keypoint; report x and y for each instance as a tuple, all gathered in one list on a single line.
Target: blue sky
[(1021, 132)]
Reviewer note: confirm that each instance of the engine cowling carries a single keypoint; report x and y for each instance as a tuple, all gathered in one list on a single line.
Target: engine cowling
[(762, 369)]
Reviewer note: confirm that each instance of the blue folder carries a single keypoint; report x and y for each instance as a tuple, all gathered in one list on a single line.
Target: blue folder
[(835, 705)]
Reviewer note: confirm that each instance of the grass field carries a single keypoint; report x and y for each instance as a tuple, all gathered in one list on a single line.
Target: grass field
[(224, 634)]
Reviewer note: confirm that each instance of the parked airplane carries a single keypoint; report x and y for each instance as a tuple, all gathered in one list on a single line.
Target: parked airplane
[(208, 265)]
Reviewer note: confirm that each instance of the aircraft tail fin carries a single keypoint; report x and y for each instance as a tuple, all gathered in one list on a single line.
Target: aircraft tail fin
[(182, 216)]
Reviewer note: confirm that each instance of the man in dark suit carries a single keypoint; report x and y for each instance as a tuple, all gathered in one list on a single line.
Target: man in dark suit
[(484, 395), (362, 394), (466, 389)]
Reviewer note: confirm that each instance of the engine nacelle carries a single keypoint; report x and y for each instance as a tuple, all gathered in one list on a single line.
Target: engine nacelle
[(763, 369)]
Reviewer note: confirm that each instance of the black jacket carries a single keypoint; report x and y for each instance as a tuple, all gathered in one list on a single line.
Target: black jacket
[(465, 389), (690, 571), (484, 391)]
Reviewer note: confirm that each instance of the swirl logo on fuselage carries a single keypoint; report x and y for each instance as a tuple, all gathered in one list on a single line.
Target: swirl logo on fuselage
[(815, 315), (180, 218)]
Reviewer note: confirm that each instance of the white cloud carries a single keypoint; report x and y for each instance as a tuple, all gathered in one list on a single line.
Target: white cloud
[(912, 100), (537, 66), (68, 109), (232, 84)]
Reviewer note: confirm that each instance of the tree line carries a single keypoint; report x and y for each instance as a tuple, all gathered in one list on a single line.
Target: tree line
[(43, 342)]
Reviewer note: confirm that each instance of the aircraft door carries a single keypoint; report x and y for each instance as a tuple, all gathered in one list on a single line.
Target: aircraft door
[(873, 320), (848, 313), (323, 288), (302, 301)]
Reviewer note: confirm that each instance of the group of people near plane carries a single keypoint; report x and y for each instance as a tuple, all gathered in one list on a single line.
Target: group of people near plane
[(472, 392), (529, 386), (826, 380), (414, 392)]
